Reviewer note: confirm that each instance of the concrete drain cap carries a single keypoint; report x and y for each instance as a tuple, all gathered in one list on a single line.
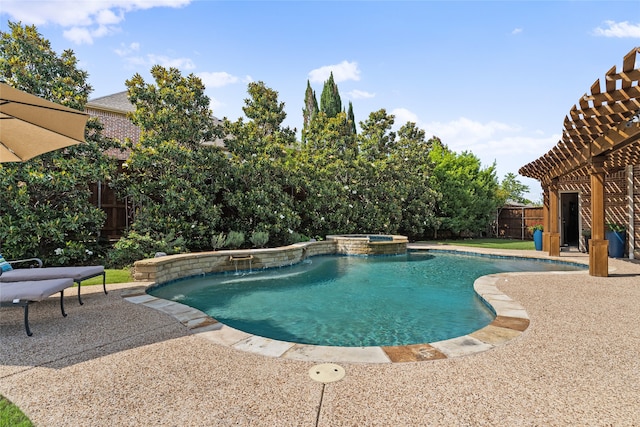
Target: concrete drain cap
[(327, 373)]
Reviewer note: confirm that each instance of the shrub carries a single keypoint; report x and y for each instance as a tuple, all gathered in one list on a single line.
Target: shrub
[(134, 247), (259, 239), (218, 241), (234, 240), (296, 237)]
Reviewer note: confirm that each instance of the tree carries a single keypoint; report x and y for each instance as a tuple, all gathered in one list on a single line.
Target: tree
[(174, 108), (309, 111), (45, 208), (468, 193), (414, 169), (513, 190), (173, 175), (376, 138), (330, 102), (352, 119), (256, 199)]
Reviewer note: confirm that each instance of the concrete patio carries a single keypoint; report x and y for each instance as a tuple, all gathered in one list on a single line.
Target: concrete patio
[(112, 362)]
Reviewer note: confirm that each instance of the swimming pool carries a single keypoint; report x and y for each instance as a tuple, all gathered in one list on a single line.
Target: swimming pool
[(353, 301)]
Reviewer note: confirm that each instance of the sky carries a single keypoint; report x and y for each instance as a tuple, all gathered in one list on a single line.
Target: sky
[(496, 78)]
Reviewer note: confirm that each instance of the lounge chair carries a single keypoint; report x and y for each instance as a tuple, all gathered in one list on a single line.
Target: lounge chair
[(78, 274), (24, 293)]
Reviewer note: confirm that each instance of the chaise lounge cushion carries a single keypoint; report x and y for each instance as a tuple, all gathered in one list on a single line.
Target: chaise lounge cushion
[(45, 273), (4, 265), (15, 292)]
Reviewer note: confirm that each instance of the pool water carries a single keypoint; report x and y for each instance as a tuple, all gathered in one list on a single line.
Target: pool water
[(353, 301)]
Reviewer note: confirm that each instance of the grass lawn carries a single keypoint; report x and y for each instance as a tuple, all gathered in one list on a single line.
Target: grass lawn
[(113, 276), (490, 243), (11, 415)]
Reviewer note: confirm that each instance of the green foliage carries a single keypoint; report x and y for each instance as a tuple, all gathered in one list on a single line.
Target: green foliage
[(330, 102), (511, 189), (174, 180), (619, 228), (259, 239), (218, 241), (352, 119), (45, 208), (296, 237), (185, 191), (234, 239), (468, 192), (175, 108), (134, 247), (258, 196), (310, 109)]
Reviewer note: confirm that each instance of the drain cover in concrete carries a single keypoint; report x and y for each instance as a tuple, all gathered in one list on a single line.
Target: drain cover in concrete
[(327, 373)]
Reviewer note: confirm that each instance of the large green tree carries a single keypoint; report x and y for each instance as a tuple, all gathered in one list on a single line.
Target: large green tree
[(45, 205), (468, 192), (174, 175), (258, 197)]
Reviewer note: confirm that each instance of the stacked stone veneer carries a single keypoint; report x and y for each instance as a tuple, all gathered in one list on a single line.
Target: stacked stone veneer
[(171, 267), (361, 244)]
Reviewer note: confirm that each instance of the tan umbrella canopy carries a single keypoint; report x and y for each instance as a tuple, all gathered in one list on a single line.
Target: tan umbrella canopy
[(30, 126)]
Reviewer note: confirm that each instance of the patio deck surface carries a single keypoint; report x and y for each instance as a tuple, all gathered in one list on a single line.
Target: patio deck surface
[(112, 362)]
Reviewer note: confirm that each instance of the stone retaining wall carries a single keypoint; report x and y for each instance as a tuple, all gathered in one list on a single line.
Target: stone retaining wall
[(361, 244), (171, 267)]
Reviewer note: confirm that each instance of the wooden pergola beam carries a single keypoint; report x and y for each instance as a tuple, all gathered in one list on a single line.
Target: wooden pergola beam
[(600, 134)]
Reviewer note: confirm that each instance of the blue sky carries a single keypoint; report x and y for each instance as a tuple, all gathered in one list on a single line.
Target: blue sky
[(494, 78)]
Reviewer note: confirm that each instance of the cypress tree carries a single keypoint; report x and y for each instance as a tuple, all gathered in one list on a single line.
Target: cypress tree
[(352, 120), (330, 102), (310, 109)]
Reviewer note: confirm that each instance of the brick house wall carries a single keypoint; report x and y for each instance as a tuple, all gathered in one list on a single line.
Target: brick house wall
[(617, 203), (116, 124)]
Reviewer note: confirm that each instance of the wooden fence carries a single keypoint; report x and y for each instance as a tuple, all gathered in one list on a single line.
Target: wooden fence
[(513, 222)]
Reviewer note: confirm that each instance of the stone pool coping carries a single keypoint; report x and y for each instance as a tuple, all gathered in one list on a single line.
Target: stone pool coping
[(510, 322)]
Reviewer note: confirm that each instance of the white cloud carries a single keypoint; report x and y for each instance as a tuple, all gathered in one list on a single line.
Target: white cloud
[(129, 53), (403, 116), (341, 72), (217, 79), (516, 31), (360, 94), (509, 146), (165, 61), (78, 35), (619, 29), (82, 20), (221, 79), (462, 133), (125, 50)]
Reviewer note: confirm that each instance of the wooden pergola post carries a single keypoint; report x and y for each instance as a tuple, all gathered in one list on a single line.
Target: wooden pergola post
[(598, 246), (554, 228), (545, 219)]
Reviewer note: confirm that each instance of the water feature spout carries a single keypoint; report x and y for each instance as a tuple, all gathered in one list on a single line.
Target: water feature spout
[(238, 258)]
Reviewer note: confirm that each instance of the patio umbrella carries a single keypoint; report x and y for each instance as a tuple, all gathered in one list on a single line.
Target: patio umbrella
[(30, 126)]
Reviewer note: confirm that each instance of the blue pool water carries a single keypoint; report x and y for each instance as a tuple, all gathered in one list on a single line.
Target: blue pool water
[(353, 301)]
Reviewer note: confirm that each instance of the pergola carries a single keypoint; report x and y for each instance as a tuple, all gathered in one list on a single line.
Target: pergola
[(601, 135)]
